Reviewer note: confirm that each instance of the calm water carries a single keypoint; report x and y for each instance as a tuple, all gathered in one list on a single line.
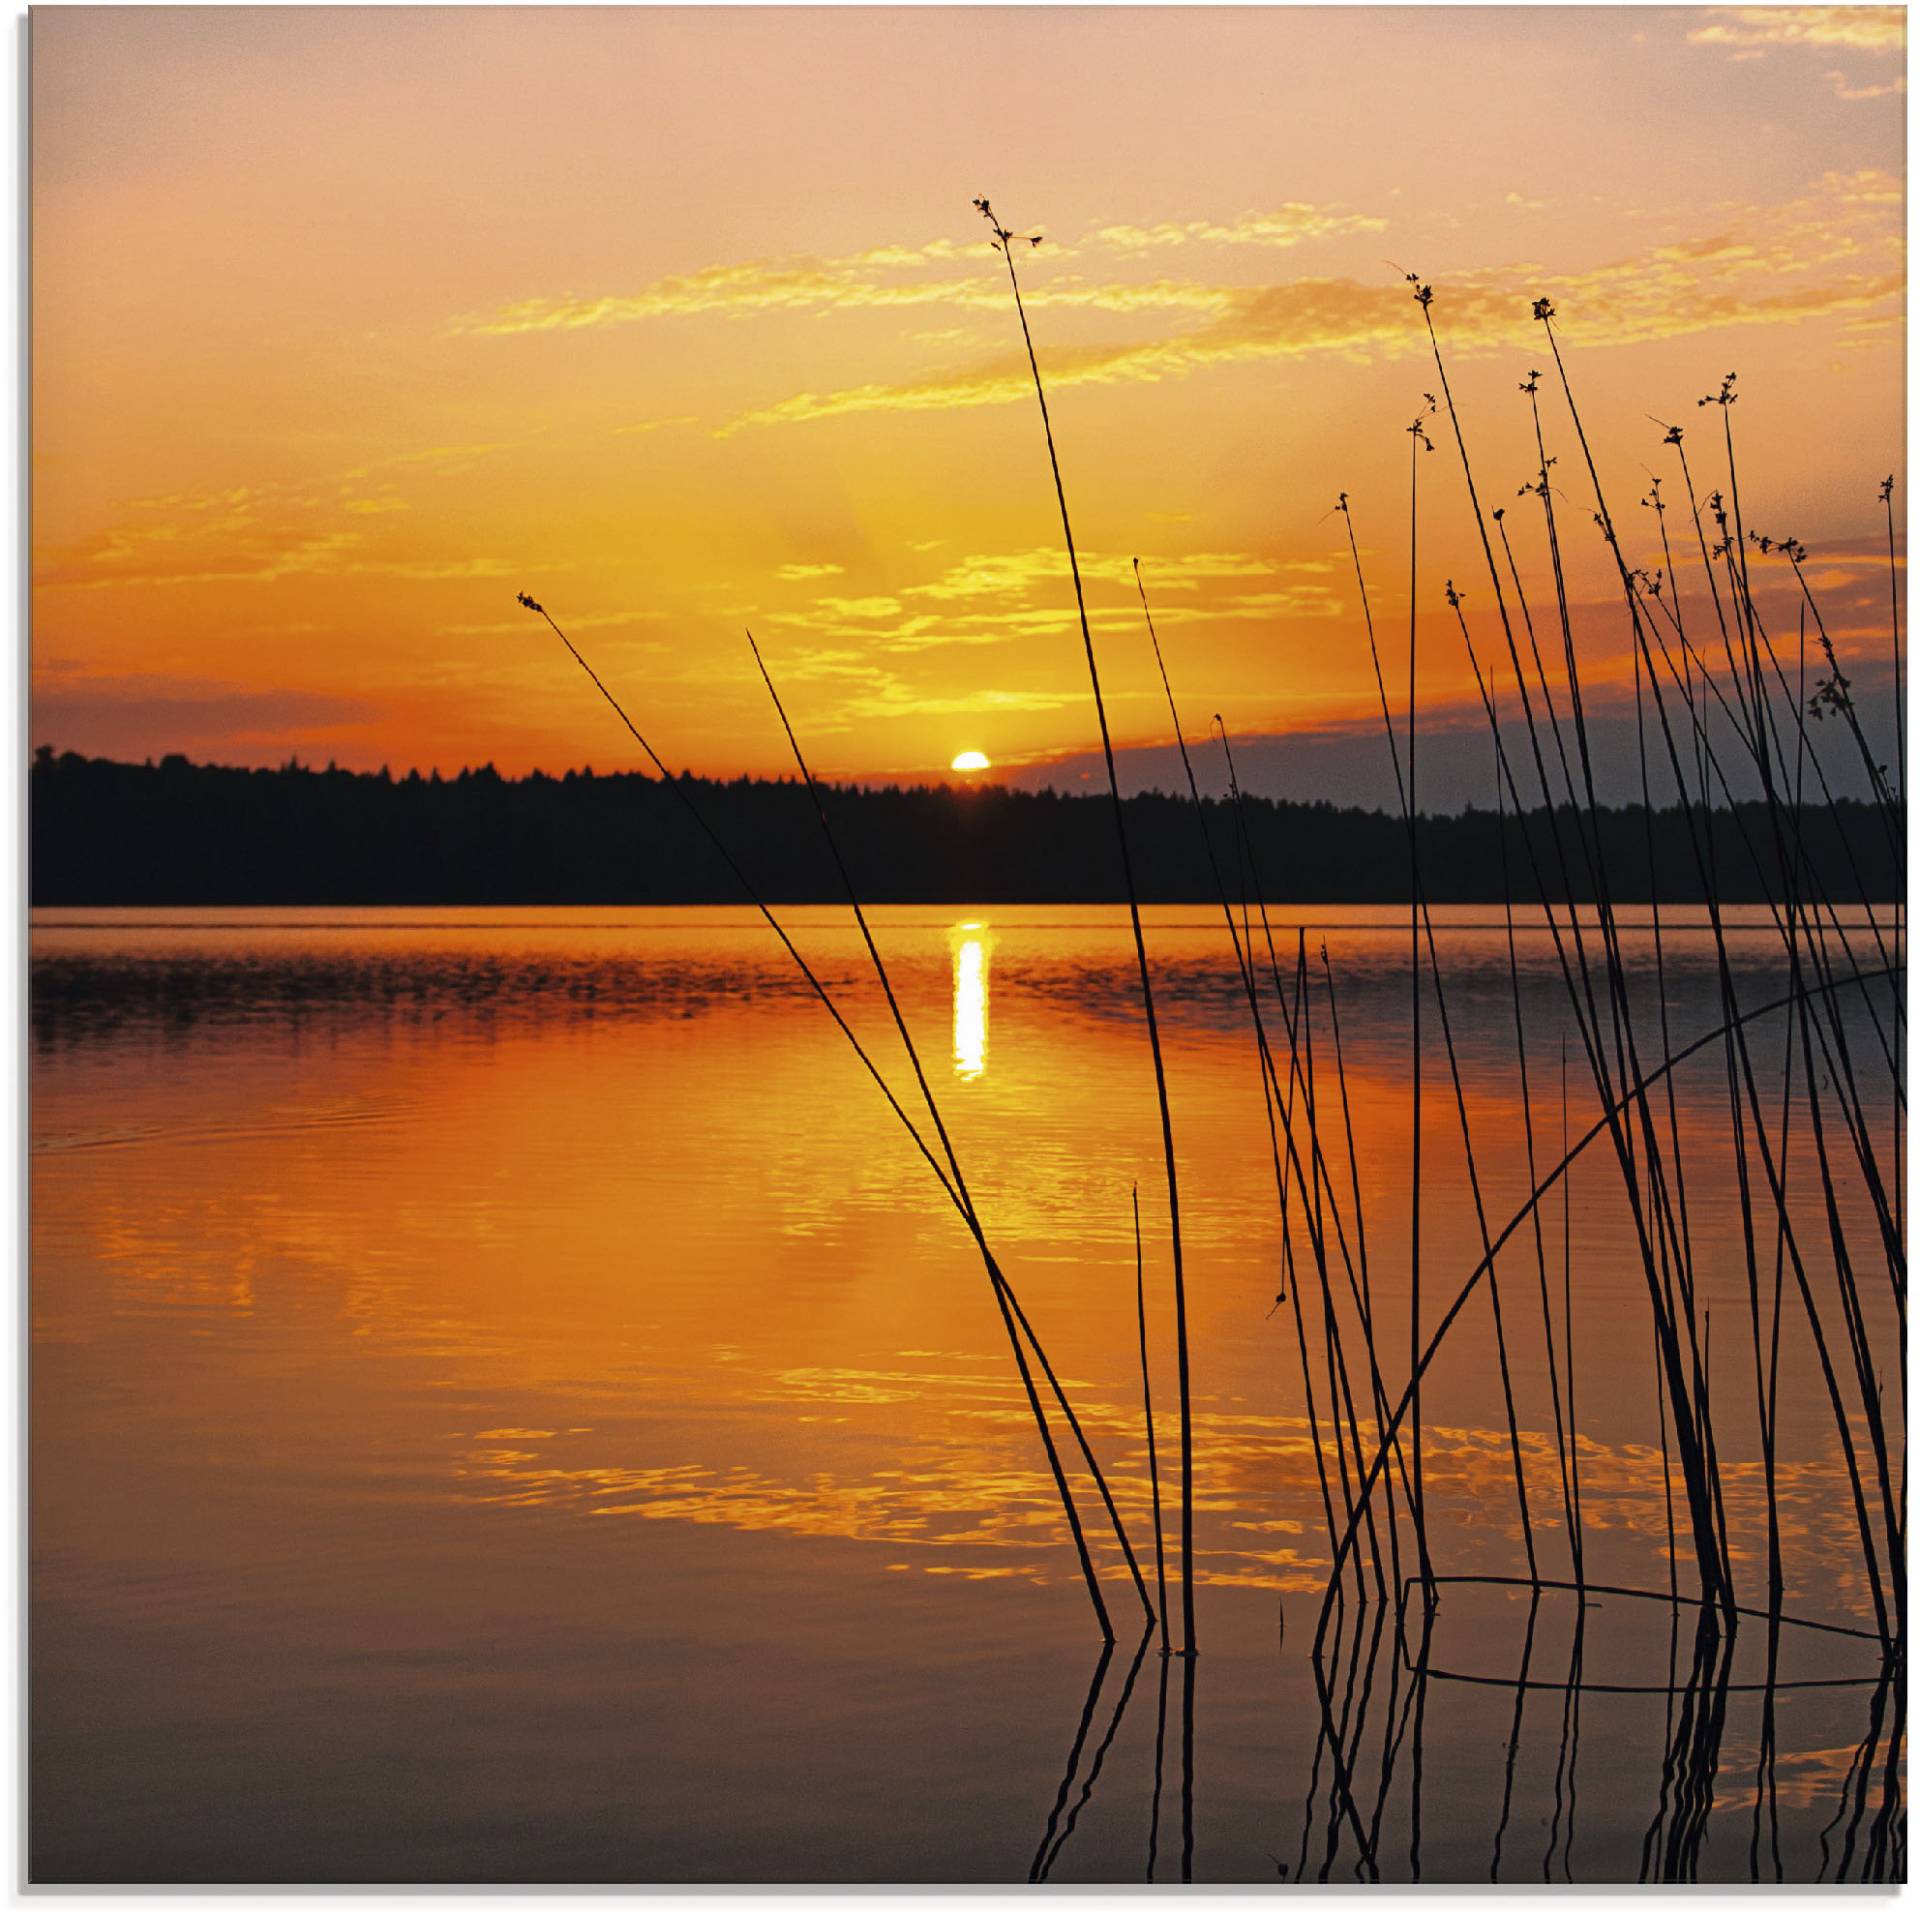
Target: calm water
[(509, 1403)]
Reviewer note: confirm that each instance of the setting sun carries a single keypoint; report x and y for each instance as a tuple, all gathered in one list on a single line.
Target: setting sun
[(972, 760)]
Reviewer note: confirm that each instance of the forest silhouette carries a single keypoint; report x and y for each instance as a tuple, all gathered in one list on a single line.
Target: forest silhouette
[(175, 832)]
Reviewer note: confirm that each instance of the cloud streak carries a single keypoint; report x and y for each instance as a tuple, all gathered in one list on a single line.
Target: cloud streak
[(1860, 29), (1835, 252), (264, 533), (989, 598), (872, 280), (1293, 223)]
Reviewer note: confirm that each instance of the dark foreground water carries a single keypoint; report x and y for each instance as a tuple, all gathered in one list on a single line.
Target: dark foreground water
[(508, 1402)]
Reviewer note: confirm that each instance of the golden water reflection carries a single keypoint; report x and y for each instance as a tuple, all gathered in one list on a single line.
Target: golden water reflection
[(970, 965), (478, 1305)]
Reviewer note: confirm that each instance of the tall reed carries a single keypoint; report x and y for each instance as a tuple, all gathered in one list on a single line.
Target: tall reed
[(1146, 1396), (1423, 921), (1420, 441), (1314, 1216), (1003, 241)]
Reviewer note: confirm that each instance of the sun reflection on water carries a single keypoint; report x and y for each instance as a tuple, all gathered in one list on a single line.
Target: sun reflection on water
[(970, 946)]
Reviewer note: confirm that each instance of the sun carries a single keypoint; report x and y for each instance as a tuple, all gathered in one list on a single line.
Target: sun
[(971, 760)]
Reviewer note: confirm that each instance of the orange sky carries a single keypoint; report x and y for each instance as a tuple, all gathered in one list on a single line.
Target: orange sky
[(349, 324)]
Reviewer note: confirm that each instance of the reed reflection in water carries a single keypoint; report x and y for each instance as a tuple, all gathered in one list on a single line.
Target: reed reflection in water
[(504, 1405)]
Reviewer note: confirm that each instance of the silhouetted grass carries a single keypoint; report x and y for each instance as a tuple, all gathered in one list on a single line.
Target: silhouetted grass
[(1748, 626), (1826, 1204)]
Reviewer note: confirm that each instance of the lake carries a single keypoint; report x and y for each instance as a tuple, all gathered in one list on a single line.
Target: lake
[(510, 1402)]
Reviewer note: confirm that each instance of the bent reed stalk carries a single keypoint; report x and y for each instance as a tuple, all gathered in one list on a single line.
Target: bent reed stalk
[(946, 1142), (1013, 1321)]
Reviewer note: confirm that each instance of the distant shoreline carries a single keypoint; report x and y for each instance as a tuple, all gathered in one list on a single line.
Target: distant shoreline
[(107, 834)]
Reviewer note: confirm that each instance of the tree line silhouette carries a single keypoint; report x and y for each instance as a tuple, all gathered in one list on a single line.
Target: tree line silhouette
[(175, 832)]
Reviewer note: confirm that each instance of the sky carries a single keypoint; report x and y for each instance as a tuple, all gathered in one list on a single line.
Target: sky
[(351, 324)]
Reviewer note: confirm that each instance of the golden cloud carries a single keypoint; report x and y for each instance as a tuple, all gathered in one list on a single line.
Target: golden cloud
[(1837, 250), (989, 598), (1864, 29), (1290, 225), (870, 279)]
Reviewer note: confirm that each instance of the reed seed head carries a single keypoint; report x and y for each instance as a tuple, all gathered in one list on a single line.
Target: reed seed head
[(1002, 237)]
